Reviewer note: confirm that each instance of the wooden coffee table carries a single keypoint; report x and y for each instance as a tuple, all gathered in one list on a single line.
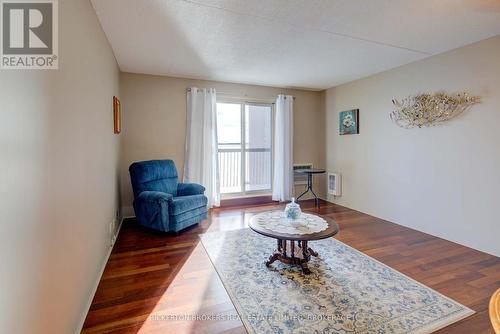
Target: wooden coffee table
[(294, 248)]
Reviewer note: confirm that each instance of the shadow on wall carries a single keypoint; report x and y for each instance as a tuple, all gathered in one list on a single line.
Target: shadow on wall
[(143, 147)]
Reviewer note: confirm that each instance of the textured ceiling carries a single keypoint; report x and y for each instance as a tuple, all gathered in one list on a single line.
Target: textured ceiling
[(312, 44)]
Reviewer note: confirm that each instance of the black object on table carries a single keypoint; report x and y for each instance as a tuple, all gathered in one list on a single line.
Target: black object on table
[(310, 172)]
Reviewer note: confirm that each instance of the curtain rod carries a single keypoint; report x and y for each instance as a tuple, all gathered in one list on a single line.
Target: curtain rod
[(241, 97)]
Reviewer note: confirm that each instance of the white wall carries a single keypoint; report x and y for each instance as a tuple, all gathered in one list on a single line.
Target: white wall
[(154, 122), (58, 177), (443, 180)]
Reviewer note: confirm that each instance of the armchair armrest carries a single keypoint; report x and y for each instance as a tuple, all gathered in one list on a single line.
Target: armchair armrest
[(154, 197), (151, 209), (186, 189)]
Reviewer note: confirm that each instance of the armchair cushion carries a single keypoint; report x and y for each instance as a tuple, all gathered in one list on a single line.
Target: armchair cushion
[(183, 204), (186, 189)]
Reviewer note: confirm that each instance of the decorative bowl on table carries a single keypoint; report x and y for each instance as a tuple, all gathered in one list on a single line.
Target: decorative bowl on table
[(292, 210)]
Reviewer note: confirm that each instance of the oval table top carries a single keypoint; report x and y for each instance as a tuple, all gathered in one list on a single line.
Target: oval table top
[(331, 230)]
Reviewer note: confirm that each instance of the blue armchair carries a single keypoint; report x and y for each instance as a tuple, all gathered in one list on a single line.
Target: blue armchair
[(160, 201)]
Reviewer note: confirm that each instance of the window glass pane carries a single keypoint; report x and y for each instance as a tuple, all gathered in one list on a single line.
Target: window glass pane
[(230, 171), (258, 126), (229, 125), (258, 170), (258, 142), (229, 146)]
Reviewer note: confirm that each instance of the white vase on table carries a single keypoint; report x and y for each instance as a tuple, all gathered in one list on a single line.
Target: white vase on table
[(292, 210)]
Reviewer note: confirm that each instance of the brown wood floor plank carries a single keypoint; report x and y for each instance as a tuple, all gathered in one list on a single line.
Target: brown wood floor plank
[(151, 276)]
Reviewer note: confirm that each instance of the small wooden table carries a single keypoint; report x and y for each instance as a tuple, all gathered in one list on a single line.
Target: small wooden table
[(297, 254)]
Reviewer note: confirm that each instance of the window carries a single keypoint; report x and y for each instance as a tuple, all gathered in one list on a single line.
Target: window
[(244, 132)]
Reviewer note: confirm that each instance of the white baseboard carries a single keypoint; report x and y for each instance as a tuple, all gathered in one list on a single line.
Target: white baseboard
[(96, 283), (128, 211)]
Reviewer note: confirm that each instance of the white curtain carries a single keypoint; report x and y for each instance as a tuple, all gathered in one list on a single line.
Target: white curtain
[(201, 163), (283, 149)]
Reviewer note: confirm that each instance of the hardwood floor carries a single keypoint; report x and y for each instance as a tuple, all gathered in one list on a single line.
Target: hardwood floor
[(151, 273)]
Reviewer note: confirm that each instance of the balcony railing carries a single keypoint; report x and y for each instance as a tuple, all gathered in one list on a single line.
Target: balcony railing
[(257, 169)]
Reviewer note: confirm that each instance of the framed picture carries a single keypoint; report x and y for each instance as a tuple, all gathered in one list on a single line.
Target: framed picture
[(349, 122), (117, 115)]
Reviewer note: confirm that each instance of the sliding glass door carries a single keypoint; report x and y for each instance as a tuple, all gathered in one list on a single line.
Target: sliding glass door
[(244, 133)]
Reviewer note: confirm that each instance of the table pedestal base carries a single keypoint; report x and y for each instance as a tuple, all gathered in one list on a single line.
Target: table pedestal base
[(298, 254)]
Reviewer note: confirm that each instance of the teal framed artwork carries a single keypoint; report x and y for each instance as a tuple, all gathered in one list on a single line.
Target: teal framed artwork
[(349, 122)]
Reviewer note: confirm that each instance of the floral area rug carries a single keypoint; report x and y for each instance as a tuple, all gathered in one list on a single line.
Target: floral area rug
[(347, 291)]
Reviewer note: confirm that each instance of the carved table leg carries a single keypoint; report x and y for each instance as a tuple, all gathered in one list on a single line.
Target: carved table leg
[(305, 269), (313, 253), (281, 254), (305, 255), (272, 258)]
